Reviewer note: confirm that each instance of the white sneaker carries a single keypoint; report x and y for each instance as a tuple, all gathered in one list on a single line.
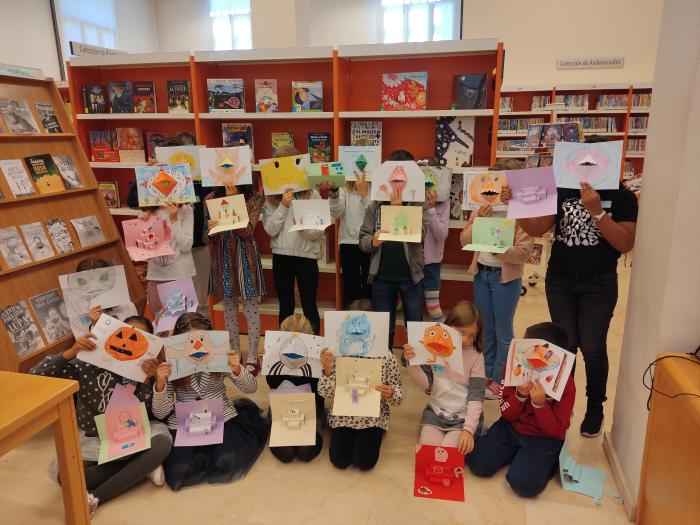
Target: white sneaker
[(157, 476), (92, 502)]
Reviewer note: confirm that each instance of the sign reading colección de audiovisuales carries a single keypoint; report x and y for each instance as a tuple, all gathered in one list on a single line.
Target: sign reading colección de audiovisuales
[(591, 63)]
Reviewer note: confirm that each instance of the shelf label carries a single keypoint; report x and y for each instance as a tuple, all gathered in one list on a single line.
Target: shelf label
[(21, 71), (591, 63), (78, 49)]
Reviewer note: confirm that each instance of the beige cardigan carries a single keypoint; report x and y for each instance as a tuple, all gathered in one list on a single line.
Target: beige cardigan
[(514, 258)]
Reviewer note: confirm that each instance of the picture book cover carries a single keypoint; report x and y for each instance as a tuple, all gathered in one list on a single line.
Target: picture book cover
[(457, 197), (17, 177), (282, 173), (534, 135), (454, 141), (281, 139), (123, 428), (230, 213), (359, 159), (538, 360), (39, 246), (21, 328), (307, 95), (438, 179), (439, 473), (12, 248), (292, 353), (197, 351), (532, 161), (180, 155), (326, 173), (404, 176), (491, 235), (404, 91), (238, 134), (437, 345), (357, 334), (597, 164), (177, 297), (48, 117), (319, 146), (88, 230), (58, 231), (68, 172), (120, 97), (130, 144), (293, 419), (266, 100), (51, 312), (366, 133), (105, 287), (572, 132), (310, 214), (110, 193), (546, 160), (179, 96), (186, 138), (401, 223), (144, 96), (45, 173), (95, 98), (145, 239), (356, 382), (470, 91), (157, 185), (221, 166), (551, 134), (533, 193), (103, 146), (483, 188), (17, 116), (153, 140), (225, 95), (199, 422)]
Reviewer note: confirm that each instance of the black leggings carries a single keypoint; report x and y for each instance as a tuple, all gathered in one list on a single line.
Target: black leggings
[(354, 264), (287, 268), (358, 447)]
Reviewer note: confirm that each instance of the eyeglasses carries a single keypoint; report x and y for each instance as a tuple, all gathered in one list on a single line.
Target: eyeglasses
[(185, 323)]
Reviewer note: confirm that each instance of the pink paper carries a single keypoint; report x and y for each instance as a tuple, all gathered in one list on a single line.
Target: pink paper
[(199, 423), (146, 239), (177, 297), (125, 431), (534, 193)]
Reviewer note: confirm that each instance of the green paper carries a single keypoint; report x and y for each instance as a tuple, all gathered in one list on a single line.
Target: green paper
[(361, 162), (326, 172), (104, 455), (492, 234)]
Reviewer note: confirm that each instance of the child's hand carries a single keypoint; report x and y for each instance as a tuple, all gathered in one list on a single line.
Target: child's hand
[(171, 208), (466, 442), (153, 162), (385, 390), (149, 367), (362, 186), (162, 375), (486, 210), (95, 313), (145, 215), (408, 352), (524, 389), (287, 198), (212, 224), (230, 188), (376, 241), (590, 199), (327, 360), (82, 344), (537, 394), (234, 361), (396, 198), (430, 198), (506, 194)]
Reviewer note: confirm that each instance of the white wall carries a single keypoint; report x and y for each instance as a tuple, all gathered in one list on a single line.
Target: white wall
[(663, 308), (183, 25), (324, 23), (136, 24), (274, 23)]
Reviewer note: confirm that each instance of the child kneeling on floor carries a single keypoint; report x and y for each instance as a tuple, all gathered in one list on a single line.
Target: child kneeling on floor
[(531, 431)]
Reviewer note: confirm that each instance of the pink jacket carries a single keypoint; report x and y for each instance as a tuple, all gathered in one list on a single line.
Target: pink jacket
[(513, 259)]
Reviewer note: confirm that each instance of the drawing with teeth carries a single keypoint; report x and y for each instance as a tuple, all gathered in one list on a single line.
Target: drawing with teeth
[(596, 164), (197, 351), (485, 188)]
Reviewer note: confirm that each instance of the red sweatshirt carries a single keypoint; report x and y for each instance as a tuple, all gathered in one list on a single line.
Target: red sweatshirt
[(550, 421)]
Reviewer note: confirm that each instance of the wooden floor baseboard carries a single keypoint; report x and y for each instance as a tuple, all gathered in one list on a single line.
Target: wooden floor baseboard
[(628, 500)]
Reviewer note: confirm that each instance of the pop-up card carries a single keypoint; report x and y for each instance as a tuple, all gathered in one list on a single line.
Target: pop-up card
[(597, 164), (157, 185), (104, 287), (538, 360), (355, 333), (197, 351), (402, 223), (326, 172), (356, 382), (293, 419), (220, 166), (123, 428), (310, 214), (180, 155), (145, 239), (483, 188), (404, 176), (580, 478), (533, 193), (293, 354), (230, 212), (177, 297), (283, 173), (437, 345), (438, 179), (439, 473), (199, 422), (491, 234), (358, 159), (121, 348)]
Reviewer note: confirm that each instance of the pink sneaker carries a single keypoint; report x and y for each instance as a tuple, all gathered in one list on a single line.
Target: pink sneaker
[(493, 390)]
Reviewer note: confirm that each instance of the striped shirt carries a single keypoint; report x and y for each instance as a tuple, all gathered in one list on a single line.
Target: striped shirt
[(202, 385)]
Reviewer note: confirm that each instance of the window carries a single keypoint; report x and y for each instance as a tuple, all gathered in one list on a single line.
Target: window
[(420, 20), (231, 24), (93, 22)]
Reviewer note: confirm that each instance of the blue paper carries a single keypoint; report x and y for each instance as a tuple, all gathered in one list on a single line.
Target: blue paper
[(579, 478)]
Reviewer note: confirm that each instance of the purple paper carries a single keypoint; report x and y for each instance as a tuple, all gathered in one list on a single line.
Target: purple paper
[(177, 297), (199, 423), (533, 193)]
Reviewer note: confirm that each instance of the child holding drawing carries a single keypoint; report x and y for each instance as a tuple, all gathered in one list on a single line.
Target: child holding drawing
[(434, 246)]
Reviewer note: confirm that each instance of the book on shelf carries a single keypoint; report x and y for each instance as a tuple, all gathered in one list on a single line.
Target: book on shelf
[(608, 101), (68, 172), (95, 98), (17, 177), (456, 197), (50, 310), (281, 139), (593, 124), (110, 193), (366, 133), (319, 146), (225, 95), (144, 96), (120, 97), (103, 146), (12, 248), (21, 328), (573, 102), (638, 124), (186, 138), (517, 125), (532, 161), (404, 91), (470, 91), (512, 145), (58, 231), (39, 246), (505, 104), (45, 173), (307, 95), (48, 117), (539, 102), (179, 96), (636, 145), (641, 100), (454, 141), (629, 170), (2, 198), (153, 140), (266, 100), (88, 230), (130, 145), (238, 134), (17, 116)]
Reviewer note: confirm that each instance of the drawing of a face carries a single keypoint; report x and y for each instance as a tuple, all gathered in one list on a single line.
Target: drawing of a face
[(398, 179), (92, 283), (126, 344), (357, 327), (199, 348), (438, 341), (541, 358), (284, 172), (486, 188), (355, 334), (293, 352), (440, 455), (588, 164)]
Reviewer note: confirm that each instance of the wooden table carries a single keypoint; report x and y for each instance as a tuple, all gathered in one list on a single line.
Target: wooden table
[(29, 405)]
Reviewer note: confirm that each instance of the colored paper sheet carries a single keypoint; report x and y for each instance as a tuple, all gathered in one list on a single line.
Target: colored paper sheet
[(326, 173), (145, 239), (199, 423), (534, 193), (310, 214), (180, 155), (105, 287), (292, 354), (402, 223), (483, 188), (355, 333), (439, 473), (177, 297), (491, 234), (358, 159), (220, 166), (437, 345), (403, 175), (157, 185), (197, 351), (293, 419), (597, 164), (283, 173), (356, 379), (230, 212), (579, 478), (438, 179), (539, 360)]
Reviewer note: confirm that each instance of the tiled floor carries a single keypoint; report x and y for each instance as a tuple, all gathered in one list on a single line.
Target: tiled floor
[(318, 493)]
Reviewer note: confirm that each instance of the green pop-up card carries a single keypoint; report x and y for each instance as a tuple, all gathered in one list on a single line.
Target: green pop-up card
[(491, 234), (330, 172)]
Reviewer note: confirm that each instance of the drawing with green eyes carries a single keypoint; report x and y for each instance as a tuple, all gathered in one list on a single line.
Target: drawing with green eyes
[(105, 287)]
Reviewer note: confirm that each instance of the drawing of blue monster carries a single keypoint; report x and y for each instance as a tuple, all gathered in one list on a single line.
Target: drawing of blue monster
[(355, 337)]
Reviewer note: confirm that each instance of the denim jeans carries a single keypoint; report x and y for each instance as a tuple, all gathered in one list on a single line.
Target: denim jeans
[(496, 302), (385, 294), (583, 306)]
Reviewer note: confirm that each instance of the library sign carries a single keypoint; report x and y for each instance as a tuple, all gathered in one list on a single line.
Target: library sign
[(591, 63), (80, 49)]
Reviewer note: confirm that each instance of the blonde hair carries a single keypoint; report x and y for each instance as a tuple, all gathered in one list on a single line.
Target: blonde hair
[(287, 151), (297, 323), (466, 313), (507, 164)]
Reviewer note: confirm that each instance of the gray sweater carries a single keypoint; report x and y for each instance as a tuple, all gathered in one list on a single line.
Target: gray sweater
[(277, 220)]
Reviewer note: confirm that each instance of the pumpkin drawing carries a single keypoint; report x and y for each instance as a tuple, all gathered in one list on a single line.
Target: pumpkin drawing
[(126, 344)]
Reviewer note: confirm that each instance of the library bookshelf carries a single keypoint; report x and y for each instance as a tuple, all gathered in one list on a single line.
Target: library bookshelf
[(22, 282)]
